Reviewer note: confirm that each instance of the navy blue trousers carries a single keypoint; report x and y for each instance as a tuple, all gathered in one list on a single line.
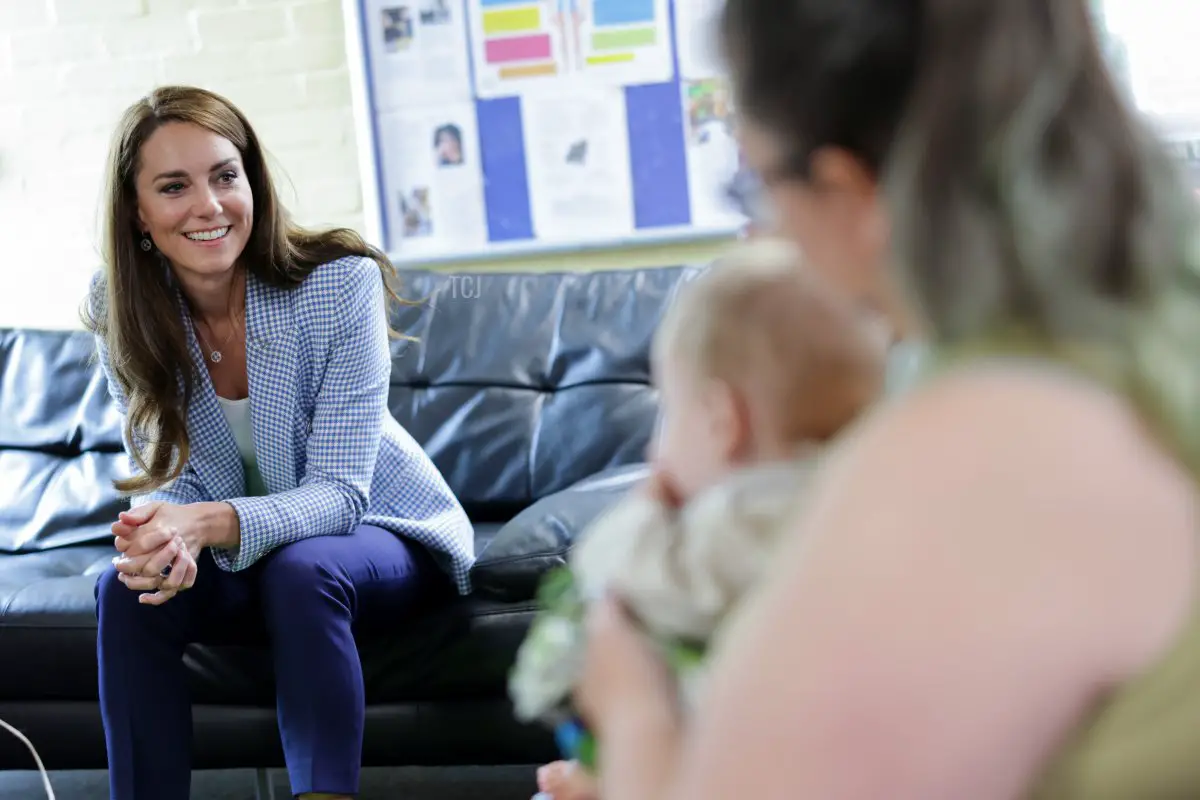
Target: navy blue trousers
[(307, 600)]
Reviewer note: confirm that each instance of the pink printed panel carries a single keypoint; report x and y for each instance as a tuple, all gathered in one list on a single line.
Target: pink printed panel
[(517, 48)]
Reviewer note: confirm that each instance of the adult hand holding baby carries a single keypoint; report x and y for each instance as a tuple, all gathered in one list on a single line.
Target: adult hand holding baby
[(686, 582), (626, 693)]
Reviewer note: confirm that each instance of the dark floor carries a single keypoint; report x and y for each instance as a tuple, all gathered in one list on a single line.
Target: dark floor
[(441, 783)]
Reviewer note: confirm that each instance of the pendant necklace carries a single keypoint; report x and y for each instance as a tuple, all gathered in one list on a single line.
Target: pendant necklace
[(213, 353)]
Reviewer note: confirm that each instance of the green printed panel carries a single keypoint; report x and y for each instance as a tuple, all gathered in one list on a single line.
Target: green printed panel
[(627, 37)]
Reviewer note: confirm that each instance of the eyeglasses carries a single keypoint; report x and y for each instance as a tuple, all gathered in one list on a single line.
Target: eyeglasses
[(747, 193)]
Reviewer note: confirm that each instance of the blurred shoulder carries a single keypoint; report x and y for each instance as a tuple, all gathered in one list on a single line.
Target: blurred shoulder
[(1041, 482), (1020, 395), (1034, 455), (1019, 421)]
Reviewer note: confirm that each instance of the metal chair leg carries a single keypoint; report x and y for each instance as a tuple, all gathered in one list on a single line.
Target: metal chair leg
[(264, 789)]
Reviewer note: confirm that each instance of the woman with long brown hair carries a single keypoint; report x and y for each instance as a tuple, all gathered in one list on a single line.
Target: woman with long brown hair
[(992, 590), (274, 495)]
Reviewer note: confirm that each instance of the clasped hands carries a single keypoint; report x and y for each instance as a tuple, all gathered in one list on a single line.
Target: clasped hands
[(159, 545)]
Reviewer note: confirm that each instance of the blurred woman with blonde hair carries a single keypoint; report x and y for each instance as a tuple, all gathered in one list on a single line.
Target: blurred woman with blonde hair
[(991, 591)]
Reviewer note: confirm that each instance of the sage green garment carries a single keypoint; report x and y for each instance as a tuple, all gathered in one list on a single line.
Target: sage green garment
[(1142, 742)]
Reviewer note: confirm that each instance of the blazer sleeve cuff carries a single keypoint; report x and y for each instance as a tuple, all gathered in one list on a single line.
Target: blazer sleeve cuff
[(272, 521), (227, 560), (254, 523)]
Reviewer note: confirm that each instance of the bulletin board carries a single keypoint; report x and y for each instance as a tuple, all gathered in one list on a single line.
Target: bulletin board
[(489, 128)]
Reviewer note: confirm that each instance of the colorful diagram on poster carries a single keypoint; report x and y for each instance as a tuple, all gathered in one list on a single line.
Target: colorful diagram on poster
[(525, 45), (510, 126)]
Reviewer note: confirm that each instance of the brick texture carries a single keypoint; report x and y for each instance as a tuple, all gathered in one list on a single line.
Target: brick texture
[(69, 67)]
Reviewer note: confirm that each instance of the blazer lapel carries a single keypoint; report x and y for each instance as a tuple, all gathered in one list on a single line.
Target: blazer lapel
[(213, 455), (273, 373)]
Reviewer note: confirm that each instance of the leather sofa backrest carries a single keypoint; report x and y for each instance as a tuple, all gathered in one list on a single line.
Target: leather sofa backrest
[(519, 384), (60, 442)]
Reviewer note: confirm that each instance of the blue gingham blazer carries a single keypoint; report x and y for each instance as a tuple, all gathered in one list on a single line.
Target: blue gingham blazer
[(330, 453)]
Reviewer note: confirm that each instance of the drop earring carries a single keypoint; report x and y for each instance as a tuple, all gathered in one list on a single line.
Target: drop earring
[(147, 245)]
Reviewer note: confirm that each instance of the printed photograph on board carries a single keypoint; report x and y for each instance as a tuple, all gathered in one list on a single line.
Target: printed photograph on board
[(416, 212), (448, 145), (435, 12), (397, 28)]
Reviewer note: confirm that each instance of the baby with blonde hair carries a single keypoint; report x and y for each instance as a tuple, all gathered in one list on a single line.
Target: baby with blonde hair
[(756, 360), (758, 366)]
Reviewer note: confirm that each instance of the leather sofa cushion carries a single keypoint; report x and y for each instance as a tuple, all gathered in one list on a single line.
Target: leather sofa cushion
[(539, 538), (462, 648)]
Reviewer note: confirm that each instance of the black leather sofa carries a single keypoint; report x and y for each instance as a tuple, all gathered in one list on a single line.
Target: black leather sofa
[(530, 392)]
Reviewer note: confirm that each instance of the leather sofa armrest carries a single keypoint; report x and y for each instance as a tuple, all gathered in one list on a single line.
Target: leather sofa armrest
[(539, 538)]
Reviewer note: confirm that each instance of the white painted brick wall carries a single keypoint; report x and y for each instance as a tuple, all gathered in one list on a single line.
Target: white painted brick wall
[(69, 67)]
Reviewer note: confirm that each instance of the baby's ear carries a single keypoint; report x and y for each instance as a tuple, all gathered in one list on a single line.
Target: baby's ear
[(730, 423)]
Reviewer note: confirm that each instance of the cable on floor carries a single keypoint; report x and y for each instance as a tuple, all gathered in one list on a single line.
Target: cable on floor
[(36, 758)]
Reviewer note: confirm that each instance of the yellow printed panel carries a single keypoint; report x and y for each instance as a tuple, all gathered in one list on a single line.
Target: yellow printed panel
[(512, 20), (610, 59)]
